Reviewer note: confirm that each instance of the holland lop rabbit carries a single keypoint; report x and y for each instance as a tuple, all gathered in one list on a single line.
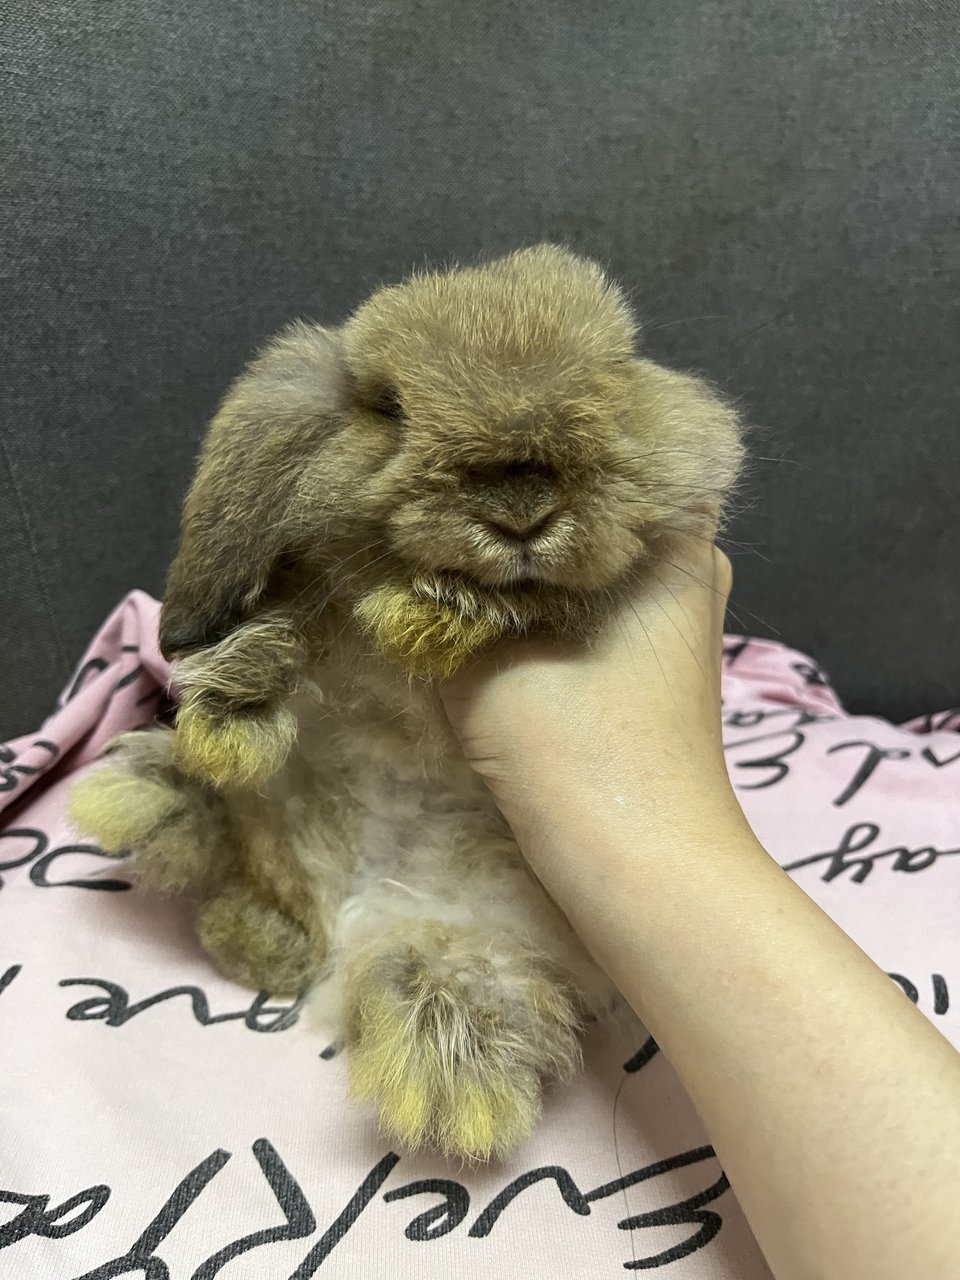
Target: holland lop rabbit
[(473, 454)]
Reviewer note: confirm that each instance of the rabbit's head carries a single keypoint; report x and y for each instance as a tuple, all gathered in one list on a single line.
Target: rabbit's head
[(481, 447)]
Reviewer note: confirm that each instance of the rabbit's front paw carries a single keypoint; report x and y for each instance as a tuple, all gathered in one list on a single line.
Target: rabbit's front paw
[(220, 744), (428, 637), (233, 725), (450, 1043)]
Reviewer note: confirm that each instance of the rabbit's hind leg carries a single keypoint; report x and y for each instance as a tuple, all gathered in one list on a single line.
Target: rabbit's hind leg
[(449, 1033), (184, 839)]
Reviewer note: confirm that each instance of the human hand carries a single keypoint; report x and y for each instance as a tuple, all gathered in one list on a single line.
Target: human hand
[(633, 717)]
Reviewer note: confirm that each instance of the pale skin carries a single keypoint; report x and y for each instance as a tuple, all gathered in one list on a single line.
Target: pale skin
[(794, 1046)]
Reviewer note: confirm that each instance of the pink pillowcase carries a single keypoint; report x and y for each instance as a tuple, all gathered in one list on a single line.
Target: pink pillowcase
[(159, 1120)]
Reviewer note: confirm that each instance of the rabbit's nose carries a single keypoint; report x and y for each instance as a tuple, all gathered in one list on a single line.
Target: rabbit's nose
[(496, 475), (523, 530)]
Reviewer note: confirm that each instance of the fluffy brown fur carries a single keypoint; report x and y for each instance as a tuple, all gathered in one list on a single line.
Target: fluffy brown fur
[(474, 453)]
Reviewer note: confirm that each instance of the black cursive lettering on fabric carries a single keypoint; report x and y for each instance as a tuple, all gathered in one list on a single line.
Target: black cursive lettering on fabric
[(77, 1213), (856, 856)]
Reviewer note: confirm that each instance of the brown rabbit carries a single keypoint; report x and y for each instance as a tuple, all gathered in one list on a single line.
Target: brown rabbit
[(474, 453)]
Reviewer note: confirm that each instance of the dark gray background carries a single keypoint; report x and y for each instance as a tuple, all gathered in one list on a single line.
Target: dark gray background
[(776, 183)]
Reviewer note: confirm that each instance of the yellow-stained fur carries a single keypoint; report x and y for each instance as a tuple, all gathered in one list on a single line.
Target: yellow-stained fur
[(240, 748), (120, 807), (474, 453), (425, 638)]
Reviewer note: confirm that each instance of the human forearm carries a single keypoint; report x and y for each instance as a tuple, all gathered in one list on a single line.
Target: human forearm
[(799, 1079)]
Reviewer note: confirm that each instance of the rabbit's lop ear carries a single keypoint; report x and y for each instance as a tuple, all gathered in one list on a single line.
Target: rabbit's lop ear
[(241, 514)]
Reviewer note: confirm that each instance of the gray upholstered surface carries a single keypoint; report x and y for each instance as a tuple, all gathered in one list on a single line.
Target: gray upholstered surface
[(778, 185)]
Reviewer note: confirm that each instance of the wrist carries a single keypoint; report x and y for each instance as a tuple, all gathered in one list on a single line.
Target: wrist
[(617, 800), (593, 851)]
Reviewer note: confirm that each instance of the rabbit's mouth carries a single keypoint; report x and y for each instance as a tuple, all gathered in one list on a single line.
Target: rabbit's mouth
[(518, 603), (523, 573), (522, 608)]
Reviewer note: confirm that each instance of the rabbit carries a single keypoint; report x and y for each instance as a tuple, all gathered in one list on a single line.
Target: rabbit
[(475, 453)]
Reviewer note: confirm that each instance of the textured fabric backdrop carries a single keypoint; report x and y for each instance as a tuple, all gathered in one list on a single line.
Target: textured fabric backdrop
[(777, 184)]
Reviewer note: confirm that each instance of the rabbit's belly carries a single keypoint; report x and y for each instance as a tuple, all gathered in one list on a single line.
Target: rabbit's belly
[(424, 847), (424, 852), (399, 831), (391, 838), (420, 830), (369, 813)]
